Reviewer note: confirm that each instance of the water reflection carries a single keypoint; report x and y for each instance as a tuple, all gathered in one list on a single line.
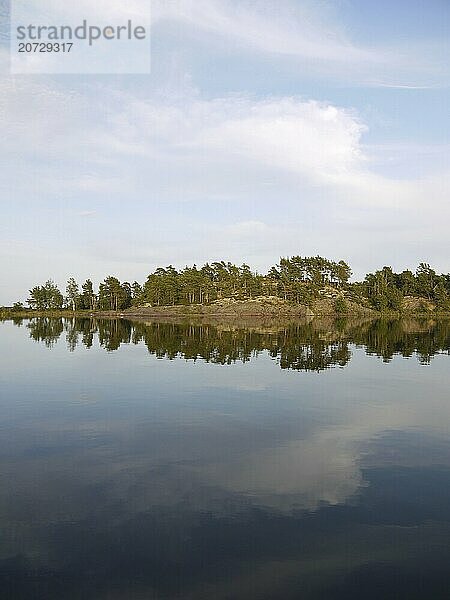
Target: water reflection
[(224, 476), (313, 346)]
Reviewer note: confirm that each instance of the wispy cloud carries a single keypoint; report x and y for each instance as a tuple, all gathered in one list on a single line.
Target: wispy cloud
[(399, 86), (311, 35), (234, 148)]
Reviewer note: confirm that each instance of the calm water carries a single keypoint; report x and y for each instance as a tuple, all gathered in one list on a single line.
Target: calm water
[(178, 461)]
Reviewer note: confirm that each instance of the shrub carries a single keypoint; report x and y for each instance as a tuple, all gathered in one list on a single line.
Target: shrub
[(340, 305)]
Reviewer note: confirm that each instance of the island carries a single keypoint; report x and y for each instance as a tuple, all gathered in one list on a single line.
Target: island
[(296, 287)]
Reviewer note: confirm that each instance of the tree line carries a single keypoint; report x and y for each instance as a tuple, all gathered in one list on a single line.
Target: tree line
[(297, 279)]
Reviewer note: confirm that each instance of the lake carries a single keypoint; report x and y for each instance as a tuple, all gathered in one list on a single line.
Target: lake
[(163, 460)]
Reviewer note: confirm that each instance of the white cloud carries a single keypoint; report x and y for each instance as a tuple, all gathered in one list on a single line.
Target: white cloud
[(283, 30), (308, 33), (274, 176), (222, 148), (308, 138), (245, 228)]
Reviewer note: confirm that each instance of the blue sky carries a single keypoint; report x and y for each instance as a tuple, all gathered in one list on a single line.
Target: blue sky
[(265, 129)]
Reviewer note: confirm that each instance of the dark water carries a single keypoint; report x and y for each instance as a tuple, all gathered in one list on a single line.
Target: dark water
[(304, 462)]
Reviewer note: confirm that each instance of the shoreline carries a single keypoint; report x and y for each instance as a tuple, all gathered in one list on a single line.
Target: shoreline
[(205, 313)]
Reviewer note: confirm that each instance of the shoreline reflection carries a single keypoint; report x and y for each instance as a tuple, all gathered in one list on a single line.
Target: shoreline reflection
[(313, 346)]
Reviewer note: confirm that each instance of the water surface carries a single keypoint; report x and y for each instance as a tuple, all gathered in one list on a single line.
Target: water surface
[(160, 461)]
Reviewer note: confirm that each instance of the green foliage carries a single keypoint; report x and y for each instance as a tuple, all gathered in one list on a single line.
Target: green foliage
[(46, 297), (406, 283), (72, 294), (112, 295), (340, 305), (297, 279), (386, 289), (300, 279), (381, 290), (426, 281), (88, 299), (136, 293), (442, 297)]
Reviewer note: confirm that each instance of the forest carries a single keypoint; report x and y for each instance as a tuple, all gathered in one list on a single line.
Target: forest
[(297, 279)]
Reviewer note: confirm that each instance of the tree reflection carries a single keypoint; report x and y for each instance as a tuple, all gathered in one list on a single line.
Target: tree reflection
[(313, 346), (45, 329)]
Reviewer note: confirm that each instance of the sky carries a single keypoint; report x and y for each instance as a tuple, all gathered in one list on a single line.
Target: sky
[(266, 128)]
